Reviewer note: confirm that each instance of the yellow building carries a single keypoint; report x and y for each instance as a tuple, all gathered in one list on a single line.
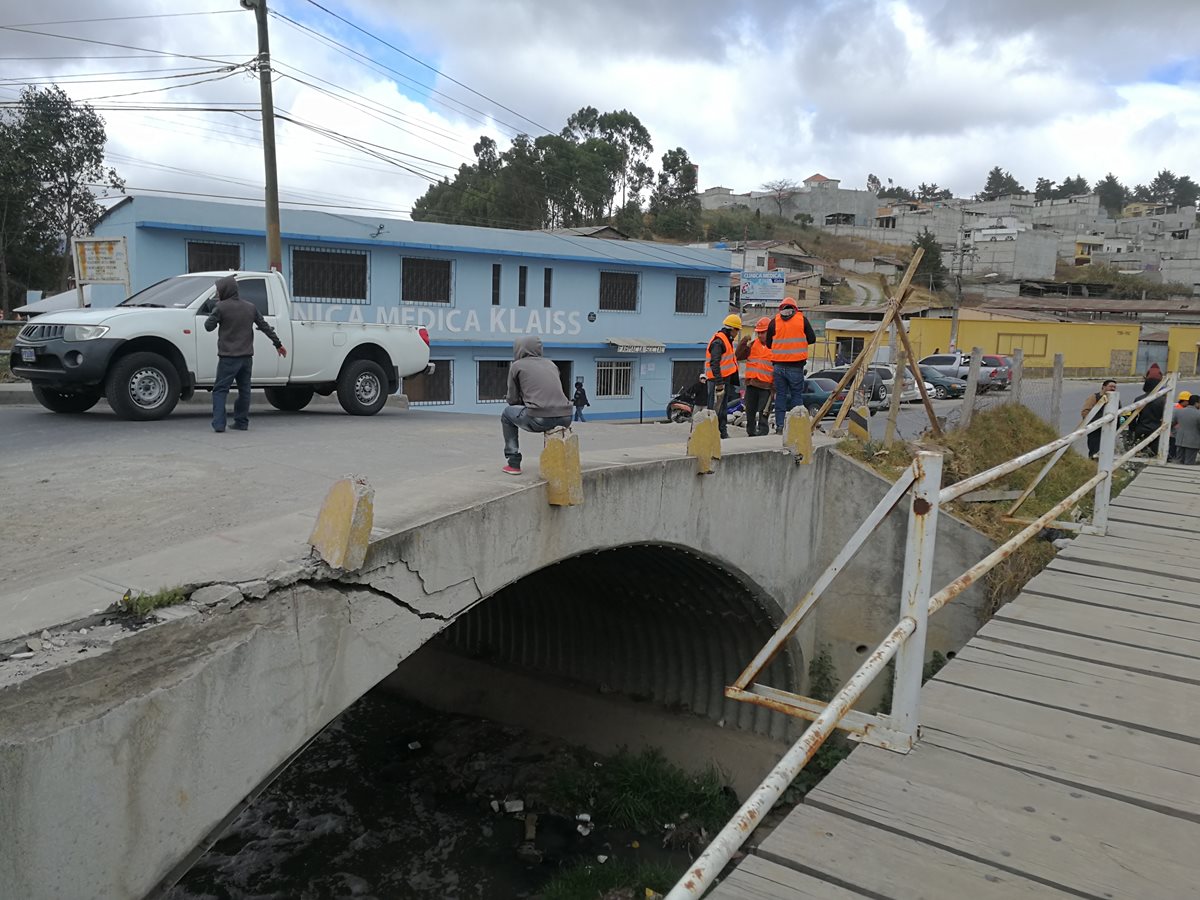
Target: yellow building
[(1182, 344)]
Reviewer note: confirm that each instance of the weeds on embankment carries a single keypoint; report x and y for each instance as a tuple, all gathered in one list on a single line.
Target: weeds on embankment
[(996, 435)]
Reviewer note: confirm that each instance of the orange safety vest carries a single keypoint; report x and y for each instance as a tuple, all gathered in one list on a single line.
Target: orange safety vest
[(789, 344), (728, 362), (759, 366)]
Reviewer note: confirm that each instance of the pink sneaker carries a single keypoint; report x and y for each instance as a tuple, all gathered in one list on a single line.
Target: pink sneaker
[(511, 470)]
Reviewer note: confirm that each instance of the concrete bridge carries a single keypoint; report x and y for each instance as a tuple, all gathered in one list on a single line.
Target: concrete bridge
[(113, 769)]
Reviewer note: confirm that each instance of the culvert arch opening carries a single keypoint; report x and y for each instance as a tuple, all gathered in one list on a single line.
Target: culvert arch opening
[(656, 623)]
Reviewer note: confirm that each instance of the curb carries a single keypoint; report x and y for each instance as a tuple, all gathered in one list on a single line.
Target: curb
[(21, 394)]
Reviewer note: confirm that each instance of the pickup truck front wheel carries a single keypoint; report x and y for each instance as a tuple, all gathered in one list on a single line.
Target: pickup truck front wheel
[(142, 387), (362, 388), (289, 399), (61, 402)]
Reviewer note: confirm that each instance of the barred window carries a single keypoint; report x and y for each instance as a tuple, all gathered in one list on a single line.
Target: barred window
[(619, 291), (426, 280), (685, 373), (522, 284), (495, 284), (321, 275), (431, 389), (547, 284), (492, 380), (689, 295), (614, 378), (209, 256)]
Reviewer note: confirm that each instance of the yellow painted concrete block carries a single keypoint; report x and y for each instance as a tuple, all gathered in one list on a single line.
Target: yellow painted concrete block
[(343, 528), (857, 420), (797, 434), (705, 441), (559, 465)]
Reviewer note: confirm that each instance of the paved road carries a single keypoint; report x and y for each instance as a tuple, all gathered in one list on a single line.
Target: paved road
[(82, 491)]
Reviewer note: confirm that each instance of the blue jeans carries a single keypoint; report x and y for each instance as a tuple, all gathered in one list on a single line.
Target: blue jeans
[(229, 370), (579, 414), (789, 390), (518, 417)]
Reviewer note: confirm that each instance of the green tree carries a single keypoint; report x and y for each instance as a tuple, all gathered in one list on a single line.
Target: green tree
[(674, 204), (932, 192), (1113, 195), (1073, 187), (51, 156), (1162, 188), (1186, 192), (930, 270), (1044, 189), (1000, 183)]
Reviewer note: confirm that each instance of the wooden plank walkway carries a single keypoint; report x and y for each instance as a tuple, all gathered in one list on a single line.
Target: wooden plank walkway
[(1060, 755)]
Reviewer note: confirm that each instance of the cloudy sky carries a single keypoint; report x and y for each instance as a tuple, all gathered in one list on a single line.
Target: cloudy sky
[(912, 90)]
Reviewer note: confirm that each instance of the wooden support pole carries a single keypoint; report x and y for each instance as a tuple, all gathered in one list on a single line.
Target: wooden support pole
[(1018, 372), (889, 435), (968, 404), (916, 370), (1056, 392)]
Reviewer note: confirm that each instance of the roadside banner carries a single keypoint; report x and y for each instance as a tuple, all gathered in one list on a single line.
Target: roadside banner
[(100, 261), (756, 286)]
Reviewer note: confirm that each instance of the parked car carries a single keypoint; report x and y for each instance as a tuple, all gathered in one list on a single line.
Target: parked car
[(995, 372), (817, 391), (943, 386), (873, 385), (152, 350)]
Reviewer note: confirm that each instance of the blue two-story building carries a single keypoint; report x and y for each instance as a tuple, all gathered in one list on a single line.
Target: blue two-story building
[(630, 318)]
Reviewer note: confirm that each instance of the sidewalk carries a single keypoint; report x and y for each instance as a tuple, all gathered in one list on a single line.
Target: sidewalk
[(21, 394)]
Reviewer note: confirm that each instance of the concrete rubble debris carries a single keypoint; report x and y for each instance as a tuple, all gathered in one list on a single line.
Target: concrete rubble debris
[(45, 635), (602, 859), (343, 528), (34, 644), (254, 590), (414, 745), (514, 806), (495, 806), (216, 593)]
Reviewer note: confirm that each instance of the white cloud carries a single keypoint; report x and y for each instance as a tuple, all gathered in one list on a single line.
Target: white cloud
[(915, 90)]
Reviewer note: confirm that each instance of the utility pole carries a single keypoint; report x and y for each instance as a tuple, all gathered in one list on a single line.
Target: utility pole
[(960, 252), (274, 245)]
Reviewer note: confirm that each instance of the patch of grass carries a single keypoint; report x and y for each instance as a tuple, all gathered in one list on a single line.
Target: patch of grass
[(7, 334), (594, 881), (643, 791), (142, 604), (997, 434), (822, 679)]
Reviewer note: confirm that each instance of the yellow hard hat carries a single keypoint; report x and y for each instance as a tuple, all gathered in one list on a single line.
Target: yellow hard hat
[(1185, 396), (732, 321)]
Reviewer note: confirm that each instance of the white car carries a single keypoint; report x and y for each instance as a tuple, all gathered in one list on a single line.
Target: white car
[(152, 350)]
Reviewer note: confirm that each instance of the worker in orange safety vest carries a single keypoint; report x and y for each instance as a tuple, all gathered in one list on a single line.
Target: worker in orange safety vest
[(722, 369), (789, 336), (760, 378)]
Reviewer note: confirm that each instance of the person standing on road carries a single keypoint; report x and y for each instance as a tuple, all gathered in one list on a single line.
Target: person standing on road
[(579, 400), (236, 318), (536, 402), (1180, 403), (1187, 431), (760, 378), (788, 336), (1150, 417), (1093, 408), (722, 370)]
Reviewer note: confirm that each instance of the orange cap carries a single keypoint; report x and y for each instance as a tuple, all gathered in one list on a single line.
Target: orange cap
[(762, 324)]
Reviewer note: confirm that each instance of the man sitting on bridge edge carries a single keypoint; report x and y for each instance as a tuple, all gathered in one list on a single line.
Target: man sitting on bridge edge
[(536, 401)]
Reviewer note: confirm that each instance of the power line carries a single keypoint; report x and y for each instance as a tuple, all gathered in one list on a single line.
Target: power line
[(427, 66), (167, 87), (210, 196), (201, 12), (54, 79), (68, 37), (370, 63)]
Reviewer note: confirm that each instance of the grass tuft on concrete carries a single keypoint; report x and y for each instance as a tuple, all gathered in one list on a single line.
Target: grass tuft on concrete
[(996, 435), (142, 604)]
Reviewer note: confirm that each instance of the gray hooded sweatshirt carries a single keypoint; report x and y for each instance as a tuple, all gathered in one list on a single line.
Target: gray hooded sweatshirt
[(534, 382)]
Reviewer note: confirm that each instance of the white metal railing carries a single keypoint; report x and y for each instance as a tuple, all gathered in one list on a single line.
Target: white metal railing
[(899, 729)]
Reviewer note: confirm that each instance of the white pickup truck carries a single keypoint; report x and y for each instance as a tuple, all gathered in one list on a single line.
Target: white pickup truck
[(152, 350)]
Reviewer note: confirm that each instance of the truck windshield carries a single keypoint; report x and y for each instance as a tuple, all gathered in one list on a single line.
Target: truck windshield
[(174, 293)]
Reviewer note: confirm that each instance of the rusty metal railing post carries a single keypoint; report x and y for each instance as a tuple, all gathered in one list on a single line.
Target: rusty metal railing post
[(914, 596), (1105, 464)]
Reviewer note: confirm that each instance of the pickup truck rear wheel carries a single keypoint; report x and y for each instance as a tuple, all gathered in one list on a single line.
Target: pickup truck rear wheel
[(60, 402), (142, 387), (289, 399), (362, 387)]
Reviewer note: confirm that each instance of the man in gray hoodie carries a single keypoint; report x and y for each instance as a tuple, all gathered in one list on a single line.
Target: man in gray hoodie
[(536, 401), (236, 318)]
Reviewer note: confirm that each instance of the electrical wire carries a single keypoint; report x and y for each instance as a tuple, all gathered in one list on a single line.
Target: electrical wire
[(199, 12), (421, 62), (68, 37)]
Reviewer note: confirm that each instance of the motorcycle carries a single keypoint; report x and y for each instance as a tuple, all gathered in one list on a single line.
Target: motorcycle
[(682, 406)]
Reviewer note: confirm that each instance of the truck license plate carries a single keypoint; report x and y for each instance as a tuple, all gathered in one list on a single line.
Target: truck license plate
[(28, 355)]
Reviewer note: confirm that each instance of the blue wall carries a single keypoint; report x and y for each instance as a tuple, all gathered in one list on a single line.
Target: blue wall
[(470, 328)]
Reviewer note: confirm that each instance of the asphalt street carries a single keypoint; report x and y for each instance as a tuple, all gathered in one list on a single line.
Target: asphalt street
[(88, 490)]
